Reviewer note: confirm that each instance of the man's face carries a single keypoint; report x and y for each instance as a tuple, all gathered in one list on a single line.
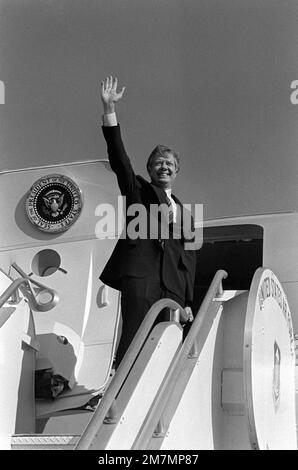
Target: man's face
[(163, 170)]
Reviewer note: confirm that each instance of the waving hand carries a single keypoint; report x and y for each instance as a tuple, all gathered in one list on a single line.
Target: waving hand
[(109, 94)]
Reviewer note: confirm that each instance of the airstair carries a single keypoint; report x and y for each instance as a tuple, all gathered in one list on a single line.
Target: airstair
[(214, 390)]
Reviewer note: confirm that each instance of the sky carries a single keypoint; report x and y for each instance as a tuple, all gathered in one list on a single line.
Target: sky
[(210, 78)]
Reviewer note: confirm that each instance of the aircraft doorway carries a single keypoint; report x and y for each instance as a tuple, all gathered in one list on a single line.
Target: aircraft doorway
[(238, 249)]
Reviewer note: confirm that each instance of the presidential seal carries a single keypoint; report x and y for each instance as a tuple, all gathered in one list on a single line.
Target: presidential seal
[(54, 203)]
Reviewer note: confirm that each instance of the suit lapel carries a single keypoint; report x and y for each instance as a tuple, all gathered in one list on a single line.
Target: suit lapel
[(160, 194)]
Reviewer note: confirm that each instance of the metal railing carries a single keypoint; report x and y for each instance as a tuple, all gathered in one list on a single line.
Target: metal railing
[(191, 349), (107, 408), (12, 292)]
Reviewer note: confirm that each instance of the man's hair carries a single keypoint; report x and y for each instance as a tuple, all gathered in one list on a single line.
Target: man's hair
[(162, 150)]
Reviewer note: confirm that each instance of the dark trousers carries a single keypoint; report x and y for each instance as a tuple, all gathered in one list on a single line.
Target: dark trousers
[(137, 296)]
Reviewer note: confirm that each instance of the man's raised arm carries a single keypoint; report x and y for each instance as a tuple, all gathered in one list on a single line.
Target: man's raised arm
[(118, 157)]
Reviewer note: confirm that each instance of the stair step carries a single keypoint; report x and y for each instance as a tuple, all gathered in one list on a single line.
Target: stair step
[(44, 441)]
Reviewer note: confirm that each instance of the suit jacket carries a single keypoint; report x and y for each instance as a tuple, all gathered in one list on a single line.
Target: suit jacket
[(144, 257)]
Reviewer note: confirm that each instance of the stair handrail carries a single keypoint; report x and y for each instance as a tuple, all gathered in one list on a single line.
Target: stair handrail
[(189, 348), (12, 292), (106, 408)]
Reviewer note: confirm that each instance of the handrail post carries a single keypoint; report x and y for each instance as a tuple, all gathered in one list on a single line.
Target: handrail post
[(160, 430), (111, 416), (15, 297), (194, 351), (220, 290)]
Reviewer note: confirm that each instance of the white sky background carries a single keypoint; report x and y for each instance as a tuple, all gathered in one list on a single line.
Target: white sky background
[(210, 78)]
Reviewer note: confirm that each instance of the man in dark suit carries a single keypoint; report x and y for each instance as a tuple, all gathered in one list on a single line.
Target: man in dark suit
[(150, 266)]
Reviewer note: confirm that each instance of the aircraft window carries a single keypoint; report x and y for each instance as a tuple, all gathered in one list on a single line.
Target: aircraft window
[(46, 262), (238, 249)]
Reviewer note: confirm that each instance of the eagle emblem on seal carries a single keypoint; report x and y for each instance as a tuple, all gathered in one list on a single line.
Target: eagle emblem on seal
[(53, 203)]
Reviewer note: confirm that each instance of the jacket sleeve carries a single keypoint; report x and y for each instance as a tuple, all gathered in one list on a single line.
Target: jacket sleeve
[(119, 160), (190, 273), (191, 262)]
